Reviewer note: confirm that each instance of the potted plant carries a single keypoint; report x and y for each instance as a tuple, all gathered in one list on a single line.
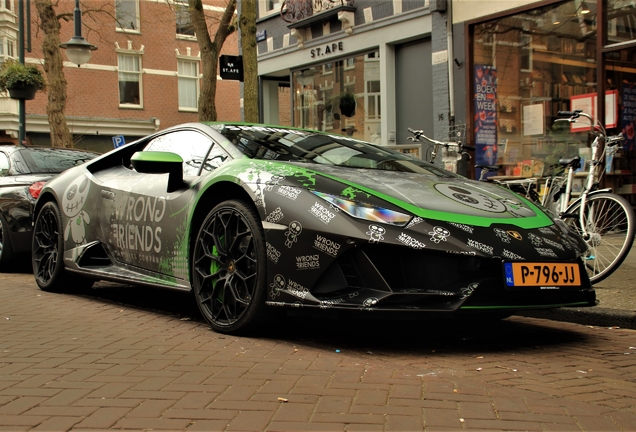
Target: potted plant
[(348, 104), (22, 81)]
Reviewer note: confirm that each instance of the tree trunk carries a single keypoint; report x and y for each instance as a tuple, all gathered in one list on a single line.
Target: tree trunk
[(54, 69), (247, 22), (210, 53)]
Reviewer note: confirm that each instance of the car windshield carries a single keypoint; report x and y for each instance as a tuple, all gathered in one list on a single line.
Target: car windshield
[(54, 160), (294, 145)]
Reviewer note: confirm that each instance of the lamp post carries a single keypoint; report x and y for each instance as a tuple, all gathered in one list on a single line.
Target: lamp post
[(78, 50), (21, 34)]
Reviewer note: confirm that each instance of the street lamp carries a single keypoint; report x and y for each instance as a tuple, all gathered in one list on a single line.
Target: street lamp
[(78, 50)]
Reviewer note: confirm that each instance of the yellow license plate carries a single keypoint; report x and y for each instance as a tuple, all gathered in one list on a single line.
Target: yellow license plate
[(542, 274)]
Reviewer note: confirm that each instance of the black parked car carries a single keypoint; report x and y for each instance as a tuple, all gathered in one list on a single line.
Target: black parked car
[(23, 173)]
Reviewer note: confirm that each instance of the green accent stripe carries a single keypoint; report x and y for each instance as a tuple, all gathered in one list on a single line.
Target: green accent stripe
[(526, 307)]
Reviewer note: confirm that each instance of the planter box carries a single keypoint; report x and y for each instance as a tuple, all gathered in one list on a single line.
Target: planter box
[(26, 92)]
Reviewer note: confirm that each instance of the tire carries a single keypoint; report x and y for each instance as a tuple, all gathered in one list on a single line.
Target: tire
[(6, 251), (48, 254), (610, 222), (229, 268)]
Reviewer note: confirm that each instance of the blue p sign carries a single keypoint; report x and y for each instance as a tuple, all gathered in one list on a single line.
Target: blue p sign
[(118, 141)]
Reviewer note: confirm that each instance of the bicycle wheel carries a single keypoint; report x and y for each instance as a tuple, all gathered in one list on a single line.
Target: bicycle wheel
[(609, 220)]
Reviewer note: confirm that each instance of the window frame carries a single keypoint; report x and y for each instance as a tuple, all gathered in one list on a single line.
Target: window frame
[(138, 56), (195, 78), (178, 4), (263, 11), (137, 19)]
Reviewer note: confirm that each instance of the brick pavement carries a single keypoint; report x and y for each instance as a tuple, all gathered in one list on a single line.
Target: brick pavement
[(77, 362)]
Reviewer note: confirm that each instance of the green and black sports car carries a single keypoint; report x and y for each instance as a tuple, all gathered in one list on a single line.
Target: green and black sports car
[(252, 217)]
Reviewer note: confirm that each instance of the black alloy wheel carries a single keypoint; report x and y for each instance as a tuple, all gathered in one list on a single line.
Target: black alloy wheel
[(48, 254), (229, 268), (47, 248)]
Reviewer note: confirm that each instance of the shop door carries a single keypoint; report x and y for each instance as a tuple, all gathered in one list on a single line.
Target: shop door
[(413, 89), (276, 102)]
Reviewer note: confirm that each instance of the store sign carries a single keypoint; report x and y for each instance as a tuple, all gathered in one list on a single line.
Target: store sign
[(231, 67), (328, 49)]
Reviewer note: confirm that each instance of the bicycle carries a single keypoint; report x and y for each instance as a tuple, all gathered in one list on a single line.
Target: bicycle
[(457, 146), (604, 220)]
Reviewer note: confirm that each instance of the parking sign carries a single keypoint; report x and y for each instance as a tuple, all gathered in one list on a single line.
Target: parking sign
[(118, 141)]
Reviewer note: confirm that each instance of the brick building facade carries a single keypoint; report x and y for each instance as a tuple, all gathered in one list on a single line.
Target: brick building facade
[(131, 85)]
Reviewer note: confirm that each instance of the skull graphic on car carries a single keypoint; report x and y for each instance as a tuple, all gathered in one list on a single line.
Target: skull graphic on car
[(295, 228), (277, 286), (375, 233), (439, 234), (73, 206)]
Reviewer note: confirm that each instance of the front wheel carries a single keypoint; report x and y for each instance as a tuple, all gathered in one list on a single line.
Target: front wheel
[(229, 268), (609, 220), (48, 254)]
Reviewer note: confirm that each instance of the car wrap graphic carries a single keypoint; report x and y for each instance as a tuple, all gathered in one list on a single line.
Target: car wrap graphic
[(332, 236)]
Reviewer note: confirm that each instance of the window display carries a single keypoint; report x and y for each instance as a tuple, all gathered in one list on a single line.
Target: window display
[(527, 67), (341, 96)]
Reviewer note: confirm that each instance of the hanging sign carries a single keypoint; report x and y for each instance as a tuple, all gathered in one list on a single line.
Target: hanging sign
[(231, 67)]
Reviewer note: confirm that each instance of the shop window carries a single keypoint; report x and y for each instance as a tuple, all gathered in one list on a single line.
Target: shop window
[(527, 67), (130, 80), (341, 96), (184, 22), (127, 14), (188, 76), (373, 100)]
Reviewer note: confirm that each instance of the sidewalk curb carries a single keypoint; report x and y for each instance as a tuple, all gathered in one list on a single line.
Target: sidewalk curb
[(595, 316)]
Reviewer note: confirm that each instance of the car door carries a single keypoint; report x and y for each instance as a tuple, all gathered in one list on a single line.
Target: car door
[(144, 225)]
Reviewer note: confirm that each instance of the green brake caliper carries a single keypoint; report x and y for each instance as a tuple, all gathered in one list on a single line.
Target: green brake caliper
[(215, 267)]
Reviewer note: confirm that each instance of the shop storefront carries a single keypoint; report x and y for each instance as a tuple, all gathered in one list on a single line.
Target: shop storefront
[(360, 69), (528, 64)]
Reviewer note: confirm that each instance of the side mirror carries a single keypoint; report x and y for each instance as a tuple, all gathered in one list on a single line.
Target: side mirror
[(158, 162)]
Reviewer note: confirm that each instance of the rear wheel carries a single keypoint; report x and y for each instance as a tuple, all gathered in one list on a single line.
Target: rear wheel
[(609, 220), (48, 253), (229, 268), (6, 251)]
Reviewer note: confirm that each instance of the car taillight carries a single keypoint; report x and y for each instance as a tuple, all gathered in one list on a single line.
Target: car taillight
[(36, 188)]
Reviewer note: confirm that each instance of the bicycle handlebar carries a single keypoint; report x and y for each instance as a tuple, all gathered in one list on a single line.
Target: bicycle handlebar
[(420, 134)]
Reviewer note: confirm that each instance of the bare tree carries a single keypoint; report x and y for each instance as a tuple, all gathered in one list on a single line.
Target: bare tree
[(247, 23), (53, 67), (210, 50)]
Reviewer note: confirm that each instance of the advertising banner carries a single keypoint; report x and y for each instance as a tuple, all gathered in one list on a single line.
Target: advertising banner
[(485, 121), (628, 115)]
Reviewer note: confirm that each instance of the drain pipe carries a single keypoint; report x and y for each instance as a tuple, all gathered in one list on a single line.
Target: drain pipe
[(451, 57)]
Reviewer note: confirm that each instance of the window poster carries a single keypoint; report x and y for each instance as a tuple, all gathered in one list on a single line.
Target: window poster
[(485, 97), (533, 119), (628, 115)]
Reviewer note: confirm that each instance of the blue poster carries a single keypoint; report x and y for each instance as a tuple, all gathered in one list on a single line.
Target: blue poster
[(485, 121), (628, 116)]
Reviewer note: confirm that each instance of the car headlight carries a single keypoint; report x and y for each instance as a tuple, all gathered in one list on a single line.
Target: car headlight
[(367, 212)]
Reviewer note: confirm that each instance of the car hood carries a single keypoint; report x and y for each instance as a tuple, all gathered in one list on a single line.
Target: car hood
[(449, 198)]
